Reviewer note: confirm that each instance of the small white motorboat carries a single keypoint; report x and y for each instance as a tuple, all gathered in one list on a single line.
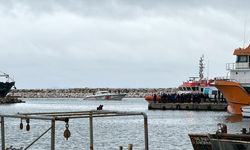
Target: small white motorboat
[(105, 95)]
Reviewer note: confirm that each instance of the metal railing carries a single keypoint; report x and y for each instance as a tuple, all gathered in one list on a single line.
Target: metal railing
[(226, 78), (66, 116), (222, 78), (231, 66)]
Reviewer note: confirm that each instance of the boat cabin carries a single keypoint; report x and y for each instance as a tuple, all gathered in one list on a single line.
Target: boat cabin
[(102, 92), (240, 70)]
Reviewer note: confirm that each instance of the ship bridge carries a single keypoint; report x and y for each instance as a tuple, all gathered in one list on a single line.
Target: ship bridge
[(240, 70)]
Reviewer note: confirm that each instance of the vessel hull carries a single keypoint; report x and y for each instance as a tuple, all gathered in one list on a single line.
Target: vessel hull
[(5, 88), (106, 97), (235, 95), (220, 141)]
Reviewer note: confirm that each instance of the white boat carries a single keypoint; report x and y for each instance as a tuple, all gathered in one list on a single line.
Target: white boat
[(245, 110), (105, 95)]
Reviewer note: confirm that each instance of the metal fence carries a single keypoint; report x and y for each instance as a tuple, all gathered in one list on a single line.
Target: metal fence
[(65, 117)]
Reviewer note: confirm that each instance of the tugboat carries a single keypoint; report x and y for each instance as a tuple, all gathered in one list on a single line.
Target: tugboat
[(5, 86), (236, 86)]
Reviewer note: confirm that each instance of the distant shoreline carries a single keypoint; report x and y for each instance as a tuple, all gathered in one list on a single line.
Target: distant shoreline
[(82, 92)]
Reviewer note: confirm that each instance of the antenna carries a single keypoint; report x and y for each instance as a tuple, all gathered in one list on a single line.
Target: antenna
[(208, 69), (201, 67), (244, 41)]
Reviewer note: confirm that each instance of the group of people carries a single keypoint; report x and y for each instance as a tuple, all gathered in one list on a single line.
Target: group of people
[(187, 98)]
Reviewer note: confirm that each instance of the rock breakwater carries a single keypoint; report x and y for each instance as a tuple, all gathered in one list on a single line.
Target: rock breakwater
[(82, 92), (10, 100)]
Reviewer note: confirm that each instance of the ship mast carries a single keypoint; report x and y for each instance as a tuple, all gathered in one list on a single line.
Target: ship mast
[(201, 67)]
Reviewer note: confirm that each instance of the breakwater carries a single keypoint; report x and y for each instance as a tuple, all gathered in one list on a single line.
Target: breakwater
[(10, 99), (82, 92)]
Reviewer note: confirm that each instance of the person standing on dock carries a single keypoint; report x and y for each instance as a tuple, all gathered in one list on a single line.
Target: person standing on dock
[(155, 96)]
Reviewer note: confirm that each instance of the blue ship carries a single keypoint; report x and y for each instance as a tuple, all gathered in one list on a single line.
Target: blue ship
[(6, 86)]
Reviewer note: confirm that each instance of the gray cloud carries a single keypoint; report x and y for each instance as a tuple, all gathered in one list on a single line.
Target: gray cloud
[(113, 43)]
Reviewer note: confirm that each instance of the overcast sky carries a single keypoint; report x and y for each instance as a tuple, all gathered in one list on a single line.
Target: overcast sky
[(118, 43)]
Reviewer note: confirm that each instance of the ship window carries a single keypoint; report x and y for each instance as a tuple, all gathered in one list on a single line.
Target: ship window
[(214, 92), (247, 90), (193, 88), (242, 58)]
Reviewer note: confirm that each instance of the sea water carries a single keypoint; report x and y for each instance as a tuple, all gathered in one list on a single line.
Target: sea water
[(168, 129)]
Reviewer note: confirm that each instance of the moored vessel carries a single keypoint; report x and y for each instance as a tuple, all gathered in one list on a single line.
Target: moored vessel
[(236, 86), (194, 87), (221, 140), (105, 95), (5, 84)]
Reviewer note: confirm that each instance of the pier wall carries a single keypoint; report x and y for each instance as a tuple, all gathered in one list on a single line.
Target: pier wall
[(208, 106), (82, 92)]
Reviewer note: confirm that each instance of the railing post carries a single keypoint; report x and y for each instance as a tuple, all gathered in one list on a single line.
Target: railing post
[(53, 134), (130, 146), (2, 133), (146, 130), (91, 147)]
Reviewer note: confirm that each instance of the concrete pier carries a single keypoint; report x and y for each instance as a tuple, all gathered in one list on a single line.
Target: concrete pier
[(188, 106)]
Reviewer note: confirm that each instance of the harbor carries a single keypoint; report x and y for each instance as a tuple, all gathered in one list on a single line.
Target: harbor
[(112, 133), (66, 117), (124, 75)]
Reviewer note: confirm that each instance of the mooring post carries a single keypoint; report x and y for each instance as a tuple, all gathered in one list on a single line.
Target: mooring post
[(53, 134), (120, 148), (146, 130), (2, 133), (91, 147)]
